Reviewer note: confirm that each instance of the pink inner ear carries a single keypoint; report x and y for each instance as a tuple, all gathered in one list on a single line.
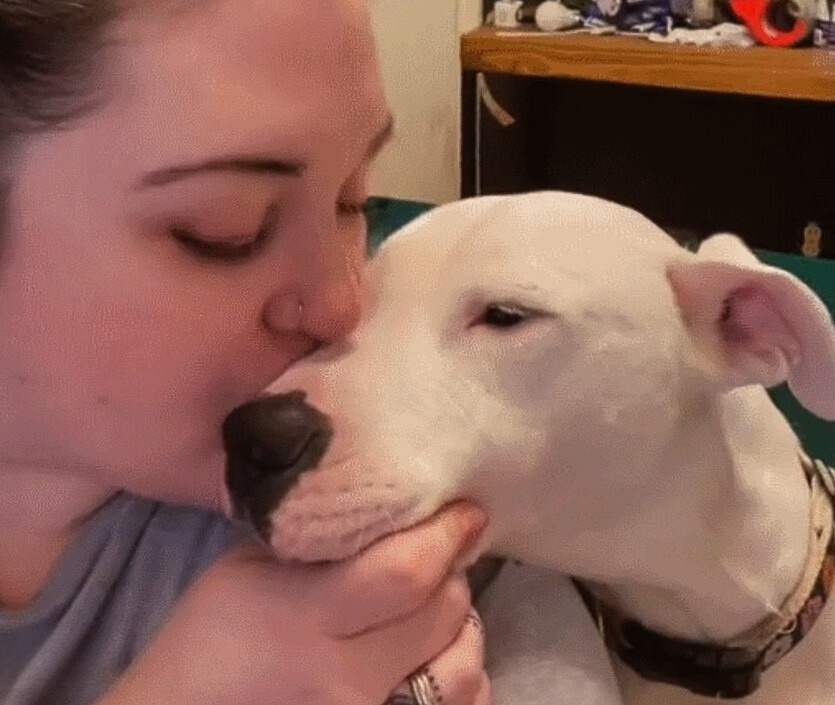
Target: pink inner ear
[(772, 328), (760, 345), (752, 324)]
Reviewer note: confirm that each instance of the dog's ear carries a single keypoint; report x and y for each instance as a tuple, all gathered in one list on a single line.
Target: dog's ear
[(767, 325)]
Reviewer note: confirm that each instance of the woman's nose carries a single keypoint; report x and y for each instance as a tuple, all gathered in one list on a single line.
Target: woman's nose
[(331, 299), (324, 303)]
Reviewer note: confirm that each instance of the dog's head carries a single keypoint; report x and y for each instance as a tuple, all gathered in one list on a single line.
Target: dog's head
[(534, 353)]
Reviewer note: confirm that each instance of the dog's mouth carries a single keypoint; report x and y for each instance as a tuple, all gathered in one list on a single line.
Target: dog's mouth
[(323, 520), (308, 499), (332, 512)]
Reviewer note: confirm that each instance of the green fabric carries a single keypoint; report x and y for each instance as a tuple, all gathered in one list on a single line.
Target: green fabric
[(388, 215), (818, 436)]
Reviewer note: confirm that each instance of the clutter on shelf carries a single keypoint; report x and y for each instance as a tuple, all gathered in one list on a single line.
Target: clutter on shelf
[(741, 23)]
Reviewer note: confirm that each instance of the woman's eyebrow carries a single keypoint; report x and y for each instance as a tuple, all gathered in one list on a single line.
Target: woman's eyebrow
[(240, 164), (256, 165)]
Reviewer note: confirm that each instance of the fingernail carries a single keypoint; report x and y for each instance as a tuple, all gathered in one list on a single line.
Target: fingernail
[(473, 521)]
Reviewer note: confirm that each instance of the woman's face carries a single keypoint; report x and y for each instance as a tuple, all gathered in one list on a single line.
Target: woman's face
[(159, 249)]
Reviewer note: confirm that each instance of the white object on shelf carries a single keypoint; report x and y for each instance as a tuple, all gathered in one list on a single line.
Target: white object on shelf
[(506, 13), (552, 16)]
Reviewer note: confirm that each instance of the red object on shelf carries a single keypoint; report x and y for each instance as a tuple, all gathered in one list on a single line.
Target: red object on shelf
[(755, 15)]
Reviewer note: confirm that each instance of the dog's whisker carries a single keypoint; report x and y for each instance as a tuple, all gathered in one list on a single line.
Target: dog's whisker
[(359, 541), (390, 518)]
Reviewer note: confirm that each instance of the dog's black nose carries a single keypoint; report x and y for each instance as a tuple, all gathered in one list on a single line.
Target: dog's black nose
[(269, 443)]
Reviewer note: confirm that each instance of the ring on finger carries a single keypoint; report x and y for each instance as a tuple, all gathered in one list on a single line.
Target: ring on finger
[(474, 621), (424, 688)]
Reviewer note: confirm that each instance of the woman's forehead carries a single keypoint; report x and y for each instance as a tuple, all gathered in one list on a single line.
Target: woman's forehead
[(285, 36), (245, 75)]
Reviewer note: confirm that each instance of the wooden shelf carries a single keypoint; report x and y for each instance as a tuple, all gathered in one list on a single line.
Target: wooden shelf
[(804, 74)]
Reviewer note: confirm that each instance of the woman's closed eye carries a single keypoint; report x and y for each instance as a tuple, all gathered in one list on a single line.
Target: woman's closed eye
[(239, 248), (235, 248)]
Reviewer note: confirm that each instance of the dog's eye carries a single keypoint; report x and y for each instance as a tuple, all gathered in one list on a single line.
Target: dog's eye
[(498, 316)]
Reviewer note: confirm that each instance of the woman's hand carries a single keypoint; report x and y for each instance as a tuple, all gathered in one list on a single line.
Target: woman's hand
[(254, 631)]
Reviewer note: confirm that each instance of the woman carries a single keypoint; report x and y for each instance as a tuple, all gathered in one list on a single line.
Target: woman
[(183, 186)]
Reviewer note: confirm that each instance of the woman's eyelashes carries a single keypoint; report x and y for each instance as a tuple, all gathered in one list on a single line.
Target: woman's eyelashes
[(353, 208), (241, 248), (228, 249)]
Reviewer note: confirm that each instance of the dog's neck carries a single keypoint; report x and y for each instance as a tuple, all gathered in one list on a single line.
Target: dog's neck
[(724, 542)]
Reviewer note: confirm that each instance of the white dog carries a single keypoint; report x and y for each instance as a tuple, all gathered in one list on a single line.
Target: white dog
[(600, 391)]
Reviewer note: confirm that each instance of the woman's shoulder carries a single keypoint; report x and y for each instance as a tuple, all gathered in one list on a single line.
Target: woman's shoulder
[(111, 592)]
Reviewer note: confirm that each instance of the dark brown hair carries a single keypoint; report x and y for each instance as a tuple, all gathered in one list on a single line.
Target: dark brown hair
[(47, 52)]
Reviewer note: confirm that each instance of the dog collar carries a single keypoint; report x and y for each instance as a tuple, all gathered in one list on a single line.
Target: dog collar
[(734, 670)]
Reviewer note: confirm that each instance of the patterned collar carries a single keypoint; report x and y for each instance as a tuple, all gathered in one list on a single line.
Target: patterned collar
[(733, 670)]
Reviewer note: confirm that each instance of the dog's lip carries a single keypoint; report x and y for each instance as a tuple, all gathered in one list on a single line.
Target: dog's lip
[(413, 521), (470, 542), (340, 556), (388, 534), (348, 547)]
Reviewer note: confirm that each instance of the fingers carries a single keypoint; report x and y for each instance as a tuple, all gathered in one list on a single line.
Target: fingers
[(456, 676), (395, 576), (457, 671), (405, 696), (395, 607), (404, 645)]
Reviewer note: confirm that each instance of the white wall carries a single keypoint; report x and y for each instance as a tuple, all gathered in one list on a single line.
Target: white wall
[(418, 47)]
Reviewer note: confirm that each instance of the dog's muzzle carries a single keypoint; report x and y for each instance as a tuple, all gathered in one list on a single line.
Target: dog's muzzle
[(269, 443)]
